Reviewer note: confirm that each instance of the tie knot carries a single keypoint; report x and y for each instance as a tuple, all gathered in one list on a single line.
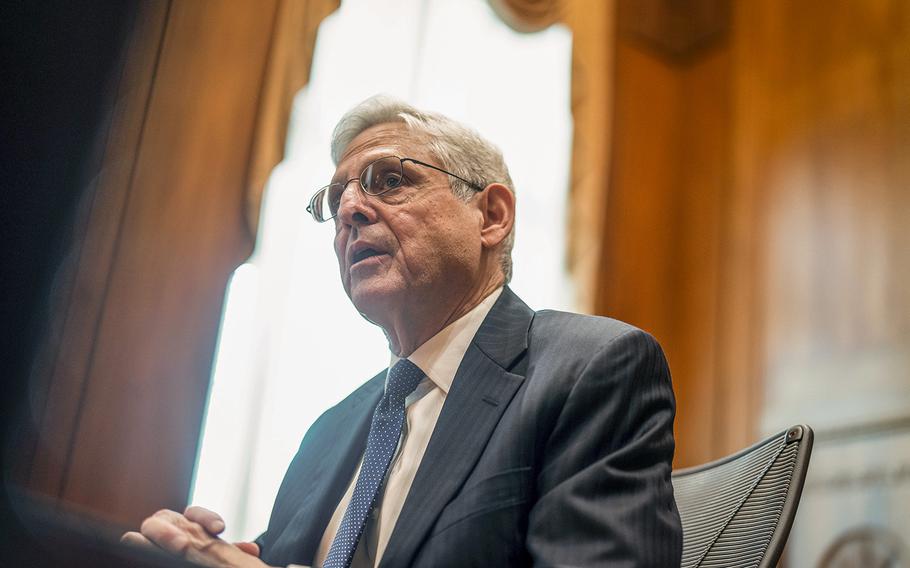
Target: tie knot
[(404, 377)]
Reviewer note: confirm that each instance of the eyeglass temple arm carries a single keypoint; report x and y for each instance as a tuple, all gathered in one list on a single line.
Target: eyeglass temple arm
[(472, 185)]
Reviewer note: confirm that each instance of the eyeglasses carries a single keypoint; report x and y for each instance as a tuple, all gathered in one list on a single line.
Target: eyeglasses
[(379, 177)]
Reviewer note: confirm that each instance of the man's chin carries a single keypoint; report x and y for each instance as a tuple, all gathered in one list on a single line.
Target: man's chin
[(373, 300)]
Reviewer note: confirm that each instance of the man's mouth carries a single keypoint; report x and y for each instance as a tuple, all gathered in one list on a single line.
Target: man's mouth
[(365, 254)]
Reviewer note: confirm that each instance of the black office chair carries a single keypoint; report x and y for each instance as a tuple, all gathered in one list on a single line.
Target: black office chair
[(737, 511)]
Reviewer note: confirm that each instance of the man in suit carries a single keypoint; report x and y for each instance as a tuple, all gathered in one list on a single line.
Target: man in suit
[(498, 436)]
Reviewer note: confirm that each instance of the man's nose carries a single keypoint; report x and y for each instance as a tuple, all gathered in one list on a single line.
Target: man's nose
[(355, 207)]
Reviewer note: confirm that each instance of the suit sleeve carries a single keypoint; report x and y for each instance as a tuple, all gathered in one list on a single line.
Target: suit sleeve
[(604, 496)]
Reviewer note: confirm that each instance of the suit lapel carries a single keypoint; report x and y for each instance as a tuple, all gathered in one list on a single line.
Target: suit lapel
[(480, 393)]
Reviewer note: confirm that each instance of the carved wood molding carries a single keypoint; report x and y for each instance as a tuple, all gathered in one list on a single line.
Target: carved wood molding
[(528, 16), (677, 30)]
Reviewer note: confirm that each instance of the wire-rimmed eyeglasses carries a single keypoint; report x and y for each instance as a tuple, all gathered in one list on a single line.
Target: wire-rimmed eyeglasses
[(379, 177)]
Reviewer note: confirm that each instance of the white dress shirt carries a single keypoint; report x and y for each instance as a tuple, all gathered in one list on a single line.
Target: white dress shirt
[(439, 358)]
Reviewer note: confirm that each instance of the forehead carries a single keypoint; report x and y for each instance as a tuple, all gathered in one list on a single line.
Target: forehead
[(389, 139)]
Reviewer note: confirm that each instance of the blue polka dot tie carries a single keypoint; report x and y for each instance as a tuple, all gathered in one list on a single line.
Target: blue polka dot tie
[(382, 441)]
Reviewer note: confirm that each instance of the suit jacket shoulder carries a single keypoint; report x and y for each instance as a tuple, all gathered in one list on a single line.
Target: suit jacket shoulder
[(571, 334)]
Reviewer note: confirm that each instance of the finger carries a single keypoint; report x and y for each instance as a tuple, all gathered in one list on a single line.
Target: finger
[(165, 534), (210, 520), (132, 538), (250, 548)]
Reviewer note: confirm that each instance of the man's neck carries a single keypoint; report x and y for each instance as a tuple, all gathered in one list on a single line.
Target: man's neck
[(412, 329)]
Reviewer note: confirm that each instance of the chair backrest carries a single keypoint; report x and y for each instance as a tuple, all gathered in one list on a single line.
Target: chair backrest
[(737, 511)]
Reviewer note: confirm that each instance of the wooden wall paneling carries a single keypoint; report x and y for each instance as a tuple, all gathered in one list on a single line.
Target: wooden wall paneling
[(821, 127), (166, 228), (639, 211), (184, 233), (662, 238), (738, 366), (703, 188), (756, 218), (756, 120), (61, 368), (636, 266), (822, 134)]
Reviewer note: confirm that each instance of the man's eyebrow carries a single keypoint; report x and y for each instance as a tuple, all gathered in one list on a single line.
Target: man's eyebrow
[(356, 165), (338, 178), (360, 163)]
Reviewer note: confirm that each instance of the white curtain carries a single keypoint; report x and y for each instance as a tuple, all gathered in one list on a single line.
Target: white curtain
[(291, 344)]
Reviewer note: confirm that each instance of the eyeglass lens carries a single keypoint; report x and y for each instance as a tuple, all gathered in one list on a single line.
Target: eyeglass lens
[(377, 178), (381, 176)]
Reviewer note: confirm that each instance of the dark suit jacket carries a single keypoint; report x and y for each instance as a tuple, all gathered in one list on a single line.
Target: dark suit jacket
[(553, 448)]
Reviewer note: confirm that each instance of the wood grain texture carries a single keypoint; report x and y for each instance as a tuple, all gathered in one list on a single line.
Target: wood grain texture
[(756, 219), (823, 130), (126, 379), (675, 30), (660, 267)]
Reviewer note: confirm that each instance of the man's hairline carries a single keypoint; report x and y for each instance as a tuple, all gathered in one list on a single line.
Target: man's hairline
[(425, 135)]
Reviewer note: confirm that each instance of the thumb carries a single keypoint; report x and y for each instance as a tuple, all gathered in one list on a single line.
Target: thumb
[(250, 548), (210, 520)]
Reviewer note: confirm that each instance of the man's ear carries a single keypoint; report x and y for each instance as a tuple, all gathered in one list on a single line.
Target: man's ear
[(497, 203)]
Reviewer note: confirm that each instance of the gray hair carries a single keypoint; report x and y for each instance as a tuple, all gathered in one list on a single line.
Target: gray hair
[(458, 148)]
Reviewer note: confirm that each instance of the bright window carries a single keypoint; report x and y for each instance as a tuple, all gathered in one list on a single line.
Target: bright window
[(291, 344)]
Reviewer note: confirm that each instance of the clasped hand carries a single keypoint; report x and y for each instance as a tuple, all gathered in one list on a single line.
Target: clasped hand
[(194, 536)]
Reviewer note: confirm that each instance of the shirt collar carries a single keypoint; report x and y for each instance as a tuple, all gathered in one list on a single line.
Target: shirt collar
[(440, 356)]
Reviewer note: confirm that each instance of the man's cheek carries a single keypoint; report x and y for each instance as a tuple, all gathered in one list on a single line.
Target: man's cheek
[(339, 257), (338, 243)]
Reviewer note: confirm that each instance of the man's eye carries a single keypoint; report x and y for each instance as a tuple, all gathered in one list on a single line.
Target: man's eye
[(390, 180)]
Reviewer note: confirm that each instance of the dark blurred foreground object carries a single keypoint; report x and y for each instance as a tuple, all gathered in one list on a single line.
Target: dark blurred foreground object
[(56, 63), (737, 511), (53, 538)]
